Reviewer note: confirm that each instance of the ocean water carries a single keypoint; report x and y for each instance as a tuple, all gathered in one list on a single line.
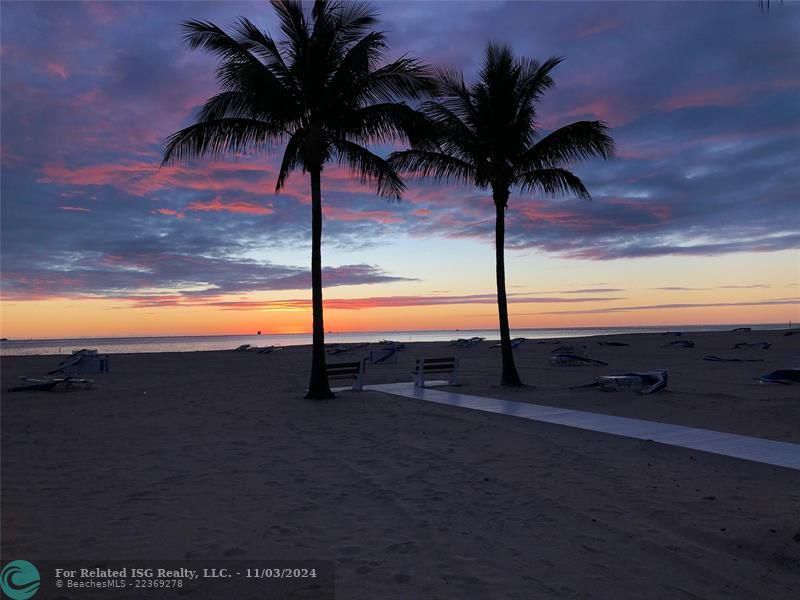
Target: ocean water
[(136, 345)]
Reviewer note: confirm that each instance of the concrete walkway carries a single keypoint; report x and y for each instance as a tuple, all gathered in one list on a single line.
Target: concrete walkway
[(781, 454)]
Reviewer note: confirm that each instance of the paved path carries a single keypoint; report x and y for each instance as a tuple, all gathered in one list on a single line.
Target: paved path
[(781, 454)]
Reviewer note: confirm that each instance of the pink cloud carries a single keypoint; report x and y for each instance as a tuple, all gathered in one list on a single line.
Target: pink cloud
[(723, 96), (610, 110), (358, 303), (727, 95), (140, 178), (169, 212), (217, 205), (57, 69), (595, 28), (75, 208), (337, 213)]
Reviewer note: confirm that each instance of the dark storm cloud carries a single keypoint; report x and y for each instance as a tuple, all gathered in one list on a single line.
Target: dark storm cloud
[(702, 99)]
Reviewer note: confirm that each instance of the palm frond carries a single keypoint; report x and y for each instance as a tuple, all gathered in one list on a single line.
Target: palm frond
[(451, 133), (370, 168), (292, 21), (437, 166), (553, 182), (228, 105), (210, 37), (218, 137), (535, 78), (262, 45), (354, 20), (292, 158), (498, 62), (404, 78), (259, 83), (569, 144), (386, 122), (454, 94), (356, 64)]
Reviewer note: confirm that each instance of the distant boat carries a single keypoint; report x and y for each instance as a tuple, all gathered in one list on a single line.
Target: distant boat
[(259, 333)]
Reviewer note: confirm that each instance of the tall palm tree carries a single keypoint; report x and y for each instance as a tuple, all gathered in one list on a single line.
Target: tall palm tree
[(320, 90), (486, 135)]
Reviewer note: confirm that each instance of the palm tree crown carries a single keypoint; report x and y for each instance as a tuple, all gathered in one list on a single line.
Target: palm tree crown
[(321, 92), (487, 135)]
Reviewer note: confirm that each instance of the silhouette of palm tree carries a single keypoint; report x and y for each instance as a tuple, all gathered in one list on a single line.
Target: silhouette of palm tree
[(486, 135), (321, 91)]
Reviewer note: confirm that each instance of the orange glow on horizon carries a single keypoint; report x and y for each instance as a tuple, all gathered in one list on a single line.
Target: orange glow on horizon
[(111, 318)]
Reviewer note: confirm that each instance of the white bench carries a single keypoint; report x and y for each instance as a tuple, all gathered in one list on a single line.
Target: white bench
[(348, 370), (425, 366)]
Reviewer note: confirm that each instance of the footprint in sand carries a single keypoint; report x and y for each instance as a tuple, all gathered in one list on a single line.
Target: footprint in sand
[(403, 547), (350, 550), (401, 577)]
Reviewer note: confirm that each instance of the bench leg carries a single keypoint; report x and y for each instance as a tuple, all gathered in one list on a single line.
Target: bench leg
[(454, 374)]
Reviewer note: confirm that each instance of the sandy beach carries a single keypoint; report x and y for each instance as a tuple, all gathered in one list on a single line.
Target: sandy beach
[(216, 455)]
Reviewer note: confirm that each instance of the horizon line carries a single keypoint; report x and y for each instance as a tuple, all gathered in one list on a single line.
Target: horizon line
[(400, 331)]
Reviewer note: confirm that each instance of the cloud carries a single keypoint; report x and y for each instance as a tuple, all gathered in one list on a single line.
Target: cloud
[(622, 309), (704, 112), (217, 205), (148, 277), (361, 303)]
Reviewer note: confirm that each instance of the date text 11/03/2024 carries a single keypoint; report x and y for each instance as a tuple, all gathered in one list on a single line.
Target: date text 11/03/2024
[(184, 573)]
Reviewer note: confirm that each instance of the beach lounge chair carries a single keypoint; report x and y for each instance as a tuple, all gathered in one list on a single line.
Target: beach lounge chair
[(646, 382), (712, 358), (466, 343), (386, 355), (83, 361), (424, 366), (679, 344), (784, 376), (348, 370), (50, 384), (572, 360), (339, 348), (514, 343)]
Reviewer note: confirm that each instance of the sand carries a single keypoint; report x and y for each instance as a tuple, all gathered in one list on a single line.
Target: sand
[(216, 455)]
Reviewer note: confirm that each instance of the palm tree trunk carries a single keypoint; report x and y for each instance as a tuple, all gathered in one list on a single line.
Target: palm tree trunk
[(510, 376), (318, 386)]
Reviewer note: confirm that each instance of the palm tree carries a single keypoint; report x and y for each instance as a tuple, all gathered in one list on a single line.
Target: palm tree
[(322, 92), (486, 135)]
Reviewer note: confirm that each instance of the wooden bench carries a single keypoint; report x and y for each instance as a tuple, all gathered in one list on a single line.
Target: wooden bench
[(435, 365), (348, 370)]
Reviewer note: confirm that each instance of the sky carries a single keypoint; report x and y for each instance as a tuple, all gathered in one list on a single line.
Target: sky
[(694, 221)]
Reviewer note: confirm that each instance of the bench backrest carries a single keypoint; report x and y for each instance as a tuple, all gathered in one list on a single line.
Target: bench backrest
[(340, 370), (436, 365)]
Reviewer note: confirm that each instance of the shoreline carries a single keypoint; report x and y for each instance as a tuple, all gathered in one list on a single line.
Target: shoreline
[(178, 343)]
